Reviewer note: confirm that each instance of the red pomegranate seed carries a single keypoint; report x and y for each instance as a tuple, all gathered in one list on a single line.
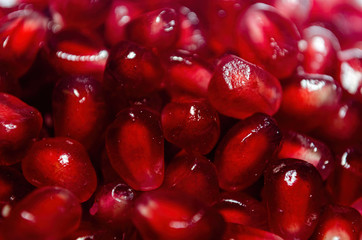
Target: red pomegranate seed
[(244, 152), (350, 72), (240, 232), (46, 213), (297, 11), (294, 196), (135, 147), (194, 175), (240, 208), (299, 146), (338, 222), (173, 215), (132, 71), (76, 52), (270, 41), (157, 29), (186, 75), (21, 35), (61, 162), (79, 13), (113, 205), (120, 14), (20, 124), (79, 109), (345, 184), (307, 98), (191, 124), (319, 47), (239, 89)]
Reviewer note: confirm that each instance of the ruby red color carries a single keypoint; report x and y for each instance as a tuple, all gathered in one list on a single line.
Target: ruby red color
[(239, 89), (271, 41), (113, 205), (173, 215), (244, 152), (299, 146), (297, 11), (61, 162), (338, 222), (194, 175), (294, 196), (241, 232), (135, 147), (191, 124), (240, 208), (22, 34), (19, 125), (79, 109), (46, 213), (158, 29)]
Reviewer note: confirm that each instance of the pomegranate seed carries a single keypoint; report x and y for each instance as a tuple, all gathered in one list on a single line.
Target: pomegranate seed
[(307, 98), (194, 175), (79, 13), (157, 29), (20, 124), (173, 215), (113, 204), (297, 11), (21, 35), (60, 162), (135, 147), (244, 152), (348, 173), (239, 89), (294, 196), (120, 14), (191, 124), (271, 42), (75, 52), (338, 222), (79, 109), (46, 213), (319, 48), (299, 146), (240, 208), (239, 232), (186, 75)]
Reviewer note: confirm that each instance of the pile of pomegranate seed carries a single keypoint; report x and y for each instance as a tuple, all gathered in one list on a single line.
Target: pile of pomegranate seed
[(180, 120)]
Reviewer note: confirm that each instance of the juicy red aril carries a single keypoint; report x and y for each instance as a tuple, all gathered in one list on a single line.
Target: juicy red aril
[(76, 52), (299, 146), (306, 100), (186, 75), (19, 124), (157, 29), (172, 215), (297, 11), (194, 175), (338, 222), (120, 14), (268, 39), (21, 35), (240, 208), (79, 109), (244, 152), (239, 89), (319, 47), (348, 173), (46, 213), (241, 232), (61, 162), (191, 124), (113, 204), (294, 196), (135, 147), (79, 13)]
